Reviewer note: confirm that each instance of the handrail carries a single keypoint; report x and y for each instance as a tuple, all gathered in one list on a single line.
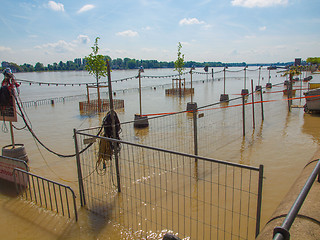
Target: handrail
[(40, 192), (282, 233)]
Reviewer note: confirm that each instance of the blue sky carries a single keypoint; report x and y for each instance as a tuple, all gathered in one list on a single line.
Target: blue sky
[(210, 30)]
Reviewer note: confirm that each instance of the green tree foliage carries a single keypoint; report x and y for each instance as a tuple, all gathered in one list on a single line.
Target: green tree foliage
[(27, 67), (127, 63), (95, 63), (179, 63), (313, 60), (132, 64), (39, 67)]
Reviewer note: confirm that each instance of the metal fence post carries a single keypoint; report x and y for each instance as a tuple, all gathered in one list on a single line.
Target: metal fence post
[(319, 174), (195, 132), (80, 182), (259, 201), (115, 145), (253, 118), (262, 112), (243, 116)]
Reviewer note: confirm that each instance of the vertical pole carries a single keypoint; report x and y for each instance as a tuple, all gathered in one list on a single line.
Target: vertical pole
[(253, 117), (243, 117), (319, 174), (259, 202), (88, 93), (115, 145), (212, 74), (259, 76), (245, 77), (289, 92), (224, 81), (12, 136), (80, 179), (191, 84), (195, 132), (261, 98), (98, 91), (140, 93)]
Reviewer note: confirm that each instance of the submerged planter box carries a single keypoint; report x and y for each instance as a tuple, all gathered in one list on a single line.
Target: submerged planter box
[(93, 106), (177, 91)]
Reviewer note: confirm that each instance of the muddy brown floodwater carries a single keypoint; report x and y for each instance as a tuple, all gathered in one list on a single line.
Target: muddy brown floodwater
[(283, 143)]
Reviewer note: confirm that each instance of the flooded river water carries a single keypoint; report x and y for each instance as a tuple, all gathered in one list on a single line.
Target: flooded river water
[(284, 142)]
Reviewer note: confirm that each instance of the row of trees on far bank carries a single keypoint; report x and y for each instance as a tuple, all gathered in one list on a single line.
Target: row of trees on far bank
[(126, 63)]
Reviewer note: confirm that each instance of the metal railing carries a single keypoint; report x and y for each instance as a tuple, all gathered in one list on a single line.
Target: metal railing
[(46, 193), (54, 100), (202, 132), (156, 190), (282, 232)]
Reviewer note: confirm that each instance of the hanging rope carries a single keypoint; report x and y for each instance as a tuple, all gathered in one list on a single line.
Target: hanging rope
[(40, 142), (69, 84)]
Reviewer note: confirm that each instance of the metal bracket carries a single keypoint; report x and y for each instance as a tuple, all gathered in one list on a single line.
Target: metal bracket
[(284, 232)]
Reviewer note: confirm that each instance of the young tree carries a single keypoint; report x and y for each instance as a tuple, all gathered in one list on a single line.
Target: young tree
[(95, 63), (179, 63)]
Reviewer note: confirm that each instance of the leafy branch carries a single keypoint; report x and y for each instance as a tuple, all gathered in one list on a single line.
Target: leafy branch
[(95, 63), (179, 63)]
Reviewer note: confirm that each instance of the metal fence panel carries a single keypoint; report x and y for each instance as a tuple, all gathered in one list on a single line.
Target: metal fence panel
[(164, 190)]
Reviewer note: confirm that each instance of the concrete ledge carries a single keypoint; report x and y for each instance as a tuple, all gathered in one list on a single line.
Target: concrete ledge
[(307, 224)]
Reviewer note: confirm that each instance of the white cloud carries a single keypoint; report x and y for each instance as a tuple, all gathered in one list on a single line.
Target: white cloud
[(86, 8), (262, 28), (147, 28), (258, 3), (190, 21), (250, 37), (2, 49), (60, 47), (206, 26), (185, 43), (56, 6), (83, 39), (127, 33), (149, 49)]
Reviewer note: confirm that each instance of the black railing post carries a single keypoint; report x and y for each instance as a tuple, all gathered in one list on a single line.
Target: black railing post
[(195, 132), (259, 201), (243, 116), (261, 98), (80, 181)]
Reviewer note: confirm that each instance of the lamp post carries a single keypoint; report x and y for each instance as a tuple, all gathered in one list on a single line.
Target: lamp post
[(140, 121), (191, 105), (224, 97), (258, 87), (269, 84), (245, 91)]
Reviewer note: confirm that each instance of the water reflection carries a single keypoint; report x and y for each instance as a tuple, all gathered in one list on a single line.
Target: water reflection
[(311, 126), (141, 134)]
